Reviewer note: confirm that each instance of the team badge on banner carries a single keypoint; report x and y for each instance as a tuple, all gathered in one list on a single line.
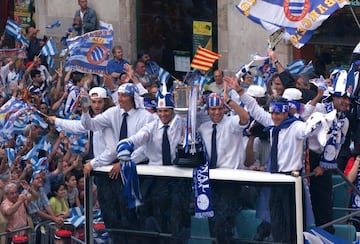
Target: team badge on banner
[(202, 191), (89, 53)]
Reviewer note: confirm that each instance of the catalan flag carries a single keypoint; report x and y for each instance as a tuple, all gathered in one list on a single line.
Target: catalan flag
[(204, 59)]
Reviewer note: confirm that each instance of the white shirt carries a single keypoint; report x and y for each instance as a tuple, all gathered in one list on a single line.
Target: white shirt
[(112, 118), (291, 139), (151, 135), (229, 142), (103, 141)]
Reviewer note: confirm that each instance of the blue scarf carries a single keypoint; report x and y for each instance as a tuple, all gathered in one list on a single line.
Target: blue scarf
[(131, 182), (328, 157), (273, 165), (202, 190)]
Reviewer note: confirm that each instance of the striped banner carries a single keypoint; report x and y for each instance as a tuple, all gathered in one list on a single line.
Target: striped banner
[(204, 59)]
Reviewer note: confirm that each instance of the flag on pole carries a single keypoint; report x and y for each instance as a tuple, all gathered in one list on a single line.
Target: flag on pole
[(49, 48), (298, 18), (204, 59), (56, 24), (163, 76), (14, 29)]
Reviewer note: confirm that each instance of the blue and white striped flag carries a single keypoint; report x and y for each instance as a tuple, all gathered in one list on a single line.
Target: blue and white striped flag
[(89, 53), (296, 17), (50, 61), (10, 152), (56, 24), (201, 81), (164, 76), (14, 29), (49, 48), (298, 67), (77, 217)]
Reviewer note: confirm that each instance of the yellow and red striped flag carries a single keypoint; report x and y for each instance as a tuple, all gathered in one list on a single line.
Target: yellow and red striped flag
[(204, 59)]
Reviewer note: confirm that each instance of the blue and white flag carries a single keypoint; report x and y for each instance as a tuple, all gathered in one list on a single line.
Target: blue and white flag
[(202, 81), (41, 145), (10, 152), (49, 48), (89, 53), (298, 18), (77, 217), (50, 61), (164, 76), (298, 67), (56, 24), (105, 26), (14, 29)]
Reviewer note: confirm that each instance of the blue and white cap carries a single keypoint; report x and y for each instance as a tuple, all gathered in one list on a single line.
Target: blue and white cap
[(132, 90), (165, 101), (128, 89), (214, 100)]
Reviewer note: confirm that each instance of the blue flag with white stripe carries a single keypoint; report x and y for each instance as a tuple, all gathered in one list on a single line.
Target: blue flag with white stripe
[(14, 29), (164, 76), (298, 18), (320, 236), (56, 24), (49, 48), (89, 53)]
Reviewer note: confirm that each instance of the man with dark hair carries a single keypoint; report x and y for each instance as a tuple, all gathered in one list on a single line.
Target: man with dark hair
[(89, 21), (77, 80)]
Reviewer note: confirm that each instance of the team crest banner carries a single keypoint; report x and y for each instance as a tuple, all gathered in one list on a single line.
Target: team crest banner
[(299, 18), (89, 53)]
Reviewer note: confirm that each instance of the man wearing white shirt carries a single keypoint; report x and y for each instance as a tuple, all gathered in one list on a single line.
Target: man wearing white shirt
[(129, 113), (229, 132)]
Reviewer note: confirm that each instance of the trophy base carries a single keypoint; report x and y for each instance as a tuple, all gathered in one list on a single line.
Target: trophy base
[(189, 160)]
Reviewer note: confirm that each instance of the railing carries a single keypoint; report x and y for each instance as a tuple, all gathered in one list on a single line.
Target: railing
[(220, 177)]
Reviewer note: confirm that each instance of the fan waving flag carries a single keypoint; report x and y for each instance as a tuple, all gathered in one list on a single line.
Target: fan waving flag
[(299, 18), (204, 59)]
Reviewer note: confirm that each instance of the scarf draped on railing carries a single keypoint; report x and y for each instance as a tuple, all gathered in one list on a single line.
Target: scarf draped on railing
[(131, 183)]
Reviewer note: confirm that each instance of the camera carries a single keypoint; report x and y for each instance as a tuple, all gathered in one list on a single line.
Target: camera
[(84, 101)]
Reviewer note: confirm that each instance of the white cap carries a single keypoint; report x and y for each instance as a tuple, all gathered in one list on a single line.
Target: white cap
[(97, 92), (293, 94), (256, 91)]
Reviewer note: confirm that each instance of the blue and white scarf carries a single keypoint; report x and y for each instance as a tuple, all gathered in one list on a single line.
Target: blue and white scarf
[(328, 157), (131, 183), (202, 191)]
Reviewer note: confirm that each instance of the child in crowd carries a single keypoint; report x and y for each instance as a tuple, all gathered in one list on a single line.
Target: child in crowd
[(72, 193), (57, 202)]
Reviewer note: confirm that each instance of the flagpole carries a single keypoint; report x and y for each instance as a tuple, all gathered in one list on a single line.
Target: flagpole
[(354, 15)]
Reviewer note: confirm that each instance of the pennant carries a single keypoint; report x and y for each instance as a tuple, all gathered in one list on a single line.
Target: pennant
[(204, 59), (298, 18), (56, 24), (89, 53)]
